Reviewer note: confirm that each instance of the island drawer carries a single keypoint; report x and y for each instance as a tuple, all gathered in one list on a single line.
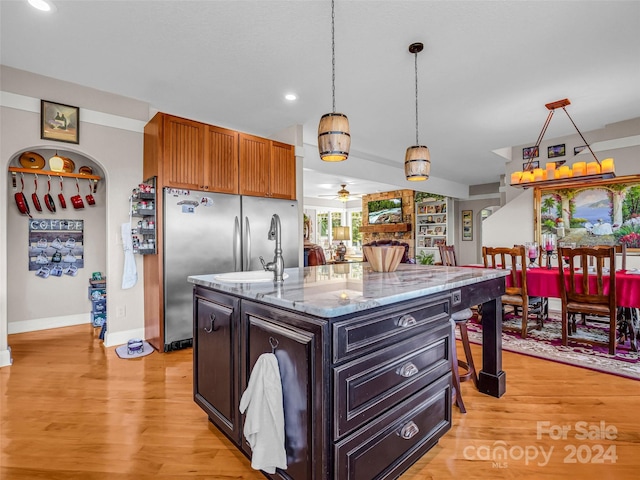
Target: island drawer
[(368, 386), (387, 447), (387, 326)]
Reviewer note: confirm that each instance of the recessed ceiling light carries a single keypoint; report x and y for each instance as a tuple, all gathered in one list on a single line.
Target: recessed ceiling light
[(43, 5), (291, 96)]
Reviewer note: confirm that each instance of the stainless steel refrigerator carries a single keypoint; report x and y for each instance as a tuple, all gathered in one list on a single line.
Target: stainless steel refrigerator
[(207, 233)]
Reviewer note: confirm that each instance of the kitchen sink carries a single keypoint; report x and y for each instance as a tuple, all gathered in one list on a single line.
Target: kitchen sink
[(252, 276)]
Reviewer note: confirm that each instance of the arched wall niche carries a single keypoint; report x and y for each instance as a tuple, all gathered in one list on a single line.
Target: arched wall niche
[(35, 302)]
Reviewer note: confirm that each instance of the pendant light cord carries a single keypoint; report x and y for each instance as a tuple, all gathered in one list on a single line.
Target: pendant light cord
[(415, 55), (333, 56)]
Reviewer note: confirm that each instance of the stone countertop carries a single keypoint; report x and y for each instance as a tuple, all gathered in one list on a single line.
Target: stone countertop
[(329, 291)]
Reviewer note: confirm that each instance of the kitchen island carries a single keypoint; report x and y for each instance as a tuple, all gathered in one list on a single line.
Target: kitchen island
[(364, 359)]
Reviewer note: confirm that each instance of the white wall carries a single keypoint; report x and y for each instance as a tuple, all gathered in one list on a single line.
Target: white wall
[(469, 251), (111, 133)]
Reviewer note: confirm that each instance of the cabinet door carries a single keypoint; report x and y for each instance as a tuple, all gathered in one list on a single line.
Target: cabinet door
[(215, 361), (255, 166), (221, 165), (283, 171), (183, 156), (299, 351)]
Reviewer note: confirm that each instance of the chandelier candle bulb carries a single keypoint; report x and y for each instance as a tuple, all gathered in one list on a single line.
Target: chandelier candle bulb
[(593, 168), (538, 174), (564, 172), (579, 169), (550, 167), (516, 177), (607, 165)]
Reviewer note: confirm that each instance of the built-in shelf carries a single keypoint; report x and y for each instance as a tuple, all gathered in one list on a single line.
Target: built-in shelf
[(386, 227), (35, 171)]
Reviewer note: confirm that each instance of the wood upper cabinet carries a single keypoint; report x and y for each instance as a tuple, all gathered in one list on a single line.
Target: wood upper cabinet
[(267, 168), (183, 153), (283, 171), (221, 160), (192, 155)]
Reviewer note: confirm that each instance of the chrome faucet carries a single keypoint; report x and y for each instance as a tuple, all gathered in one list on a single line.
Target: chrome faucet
[(277, 266)]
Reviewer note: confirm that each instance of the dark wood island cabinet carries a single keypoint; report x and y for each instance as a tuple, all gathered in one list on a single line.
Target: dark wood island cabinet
[(364, 360)]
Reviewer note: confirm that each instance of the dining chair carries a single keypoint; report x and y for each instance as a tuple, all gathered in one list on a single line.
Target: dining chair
[(448, 258), (582, 288), (515, 260), (448, 255)]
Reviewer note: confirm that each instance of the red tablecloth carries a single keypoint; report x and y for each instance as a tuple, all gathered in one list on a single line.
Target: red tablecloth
[(543, 282)]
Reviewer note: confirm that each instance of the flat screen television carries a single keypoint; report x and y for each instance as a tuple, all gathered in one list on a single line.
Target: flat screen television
[(385, 211)]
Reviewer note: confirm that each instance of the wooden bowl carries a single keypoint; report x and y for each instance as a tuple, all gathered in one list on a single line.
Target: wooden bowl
[(384, 258)]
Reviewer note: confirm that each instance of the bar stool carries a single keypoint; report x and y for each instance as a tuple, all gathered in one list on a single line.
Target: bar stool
[(460, 320)]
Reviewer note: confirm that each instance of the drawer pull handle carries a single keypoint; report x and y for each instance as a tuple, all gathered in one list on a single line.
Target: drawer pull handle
[(407, 370), (407, 321), (213, 328), (408, 431)]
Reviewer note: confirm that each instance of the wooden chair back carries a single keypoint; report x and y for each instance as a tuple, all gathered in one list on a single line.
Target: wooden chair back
[(620, 250), (582, 290), (601, 264), (448, 255), (513, 259)]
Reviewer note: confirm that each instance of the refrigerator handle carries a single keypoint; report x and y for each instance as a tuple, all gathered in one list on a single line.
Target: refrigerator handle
[(237, 242), (247, 245)]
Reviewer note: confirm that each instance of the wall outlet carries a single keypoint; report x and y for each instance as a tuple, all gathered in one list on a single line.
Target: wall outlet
[(121, 312)]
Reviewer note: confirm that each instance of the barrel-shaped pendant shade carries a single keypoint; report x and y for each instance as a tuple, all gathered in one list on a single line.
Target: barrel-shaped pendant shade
[(417, 163), (334, 139)]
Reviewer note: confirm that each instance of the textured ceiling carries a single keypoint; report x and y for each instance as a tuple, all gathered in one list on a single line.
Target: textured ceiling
[(487, 69)]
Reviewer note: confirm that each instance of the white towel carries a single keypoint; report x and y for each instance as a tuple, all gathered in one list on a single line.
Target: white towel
[(129, 273), (264, 422)]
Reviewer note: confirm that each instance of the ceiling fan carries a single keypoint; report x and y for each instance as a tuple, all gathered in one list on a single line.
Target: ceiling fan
[(343, 194)]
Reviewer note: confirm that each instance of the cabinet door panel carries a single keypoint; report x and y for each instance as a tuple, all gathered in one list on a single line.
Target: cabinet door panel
[(254, 165), (215, 369), (221, 165), (283, 171), (298, 352), (183, 153)]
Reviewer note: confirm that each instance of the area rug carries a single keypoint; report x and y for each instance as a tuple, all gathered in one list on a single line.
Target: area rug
[(547, 344)]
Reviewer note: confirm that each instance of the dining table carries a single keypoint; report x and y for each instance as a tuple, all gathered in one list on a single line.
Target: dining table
[(545, 282)]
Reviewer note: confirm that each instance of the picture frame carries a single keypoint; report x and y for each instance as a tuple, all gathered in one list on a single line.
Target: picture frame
[(530, 152), (598, 205), (437, 242), (467, 225), (530, 165), (556, 151), (577, 150), (59, 122)]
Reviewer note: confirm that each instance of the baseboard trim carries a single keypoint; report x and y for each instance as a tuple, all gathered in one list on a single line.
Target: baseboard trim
[(5, 357), (120, 338), (47, 323)]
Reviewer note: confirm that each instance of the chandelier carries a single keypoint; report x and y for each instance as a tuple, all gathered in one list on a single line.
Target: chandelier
[(556, 173)]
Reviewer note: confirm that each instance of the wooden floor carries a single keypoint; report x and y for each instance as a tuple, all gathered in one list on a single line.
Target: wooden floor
[(71, 409)]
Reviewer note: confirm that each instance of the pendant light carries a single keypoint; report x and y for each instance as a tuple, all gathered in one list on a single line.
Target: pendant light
[(417, 161), (334, 139)]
